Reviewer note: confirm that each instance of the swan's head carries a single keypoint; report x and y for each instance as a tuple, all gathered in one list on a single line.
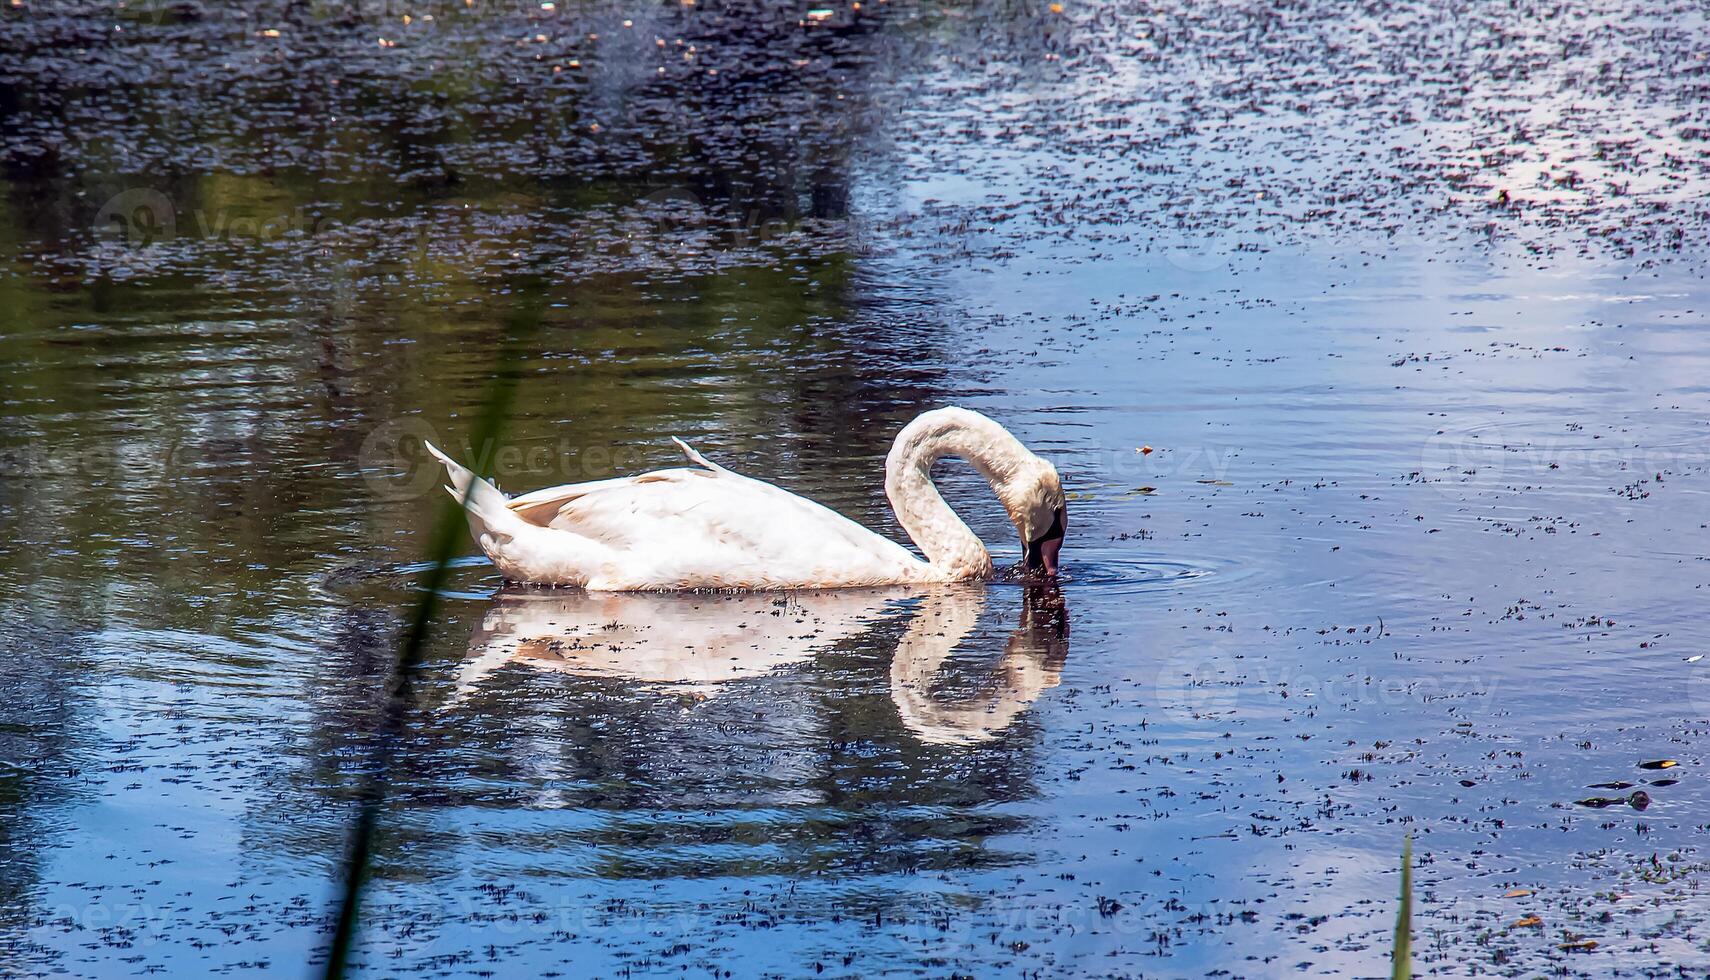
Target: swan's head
[(1041, 515)]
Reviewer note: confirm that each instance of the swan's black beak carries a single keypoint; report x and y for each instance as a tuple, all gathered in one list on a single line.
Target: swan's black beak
[(1041, 555)]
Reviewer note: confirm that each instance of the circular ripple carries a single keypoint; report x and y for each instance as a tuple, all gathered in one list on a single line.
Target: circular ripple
[(1113, 572)]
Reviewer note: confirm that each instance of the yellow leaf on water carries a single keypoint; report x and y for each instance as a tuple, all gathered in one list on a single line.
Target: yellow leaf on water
[(1528, 922), (1659, 764), (1517, 893), (1583, 944), (1056, 8)]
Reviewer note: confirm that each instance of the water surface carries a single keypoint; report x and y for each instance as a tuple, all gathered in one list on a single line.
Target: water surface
[(1404, 302)]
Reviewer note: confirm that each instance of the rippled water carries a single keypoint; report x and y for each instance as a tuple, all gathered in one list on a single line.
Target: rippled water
[(1405, 303)]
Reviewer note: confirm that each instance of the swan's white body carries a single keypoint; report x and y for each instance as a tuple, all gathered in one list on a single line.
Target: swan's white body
[(706, 527)]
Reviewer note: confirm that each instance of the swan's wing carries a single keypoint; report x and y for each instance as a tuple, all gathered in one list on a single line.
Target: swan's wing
[(712, 527), (541, 506)]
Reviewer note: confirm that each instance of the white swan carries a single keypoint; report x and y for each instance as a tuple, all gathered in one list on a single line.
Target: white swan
[(704, 527)]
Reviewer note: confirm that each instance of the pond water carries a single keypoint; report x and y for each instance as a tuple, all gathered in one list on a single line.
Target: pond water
[(1367, 340)]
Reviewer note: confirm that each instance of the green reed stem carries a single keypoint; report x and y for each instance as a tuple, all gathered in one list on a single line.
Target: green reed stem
[(448, 532), (1401, 959)]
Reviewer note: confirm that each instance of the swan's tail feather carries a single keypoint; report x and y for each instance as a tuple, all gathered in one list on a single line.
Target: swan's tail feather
[(484, 504), (523, 551), (697, 458)]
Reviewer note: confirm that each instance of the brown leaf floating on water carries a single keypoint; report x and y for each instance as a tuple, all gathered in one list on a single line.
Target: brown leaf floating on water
[(1583, 944), (1517, 893), (1529, 922)]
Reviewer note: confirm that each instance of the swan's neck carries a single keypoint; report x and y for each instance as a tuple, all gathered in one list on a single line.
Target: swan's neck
[(954, 551)]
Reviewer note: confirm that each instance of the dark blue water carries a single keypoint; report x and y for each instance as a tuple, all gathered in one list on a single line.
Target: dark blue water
[(1417, 550)]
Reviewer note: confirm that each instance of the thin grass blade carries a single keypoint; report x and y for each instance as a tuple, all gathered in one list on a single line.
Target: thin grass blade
[(448, 533), (1401, 958)]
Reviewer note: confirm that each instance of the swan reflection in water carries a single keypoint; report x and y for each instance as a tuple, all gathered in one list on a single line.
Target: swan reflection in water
[(696, 643)]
